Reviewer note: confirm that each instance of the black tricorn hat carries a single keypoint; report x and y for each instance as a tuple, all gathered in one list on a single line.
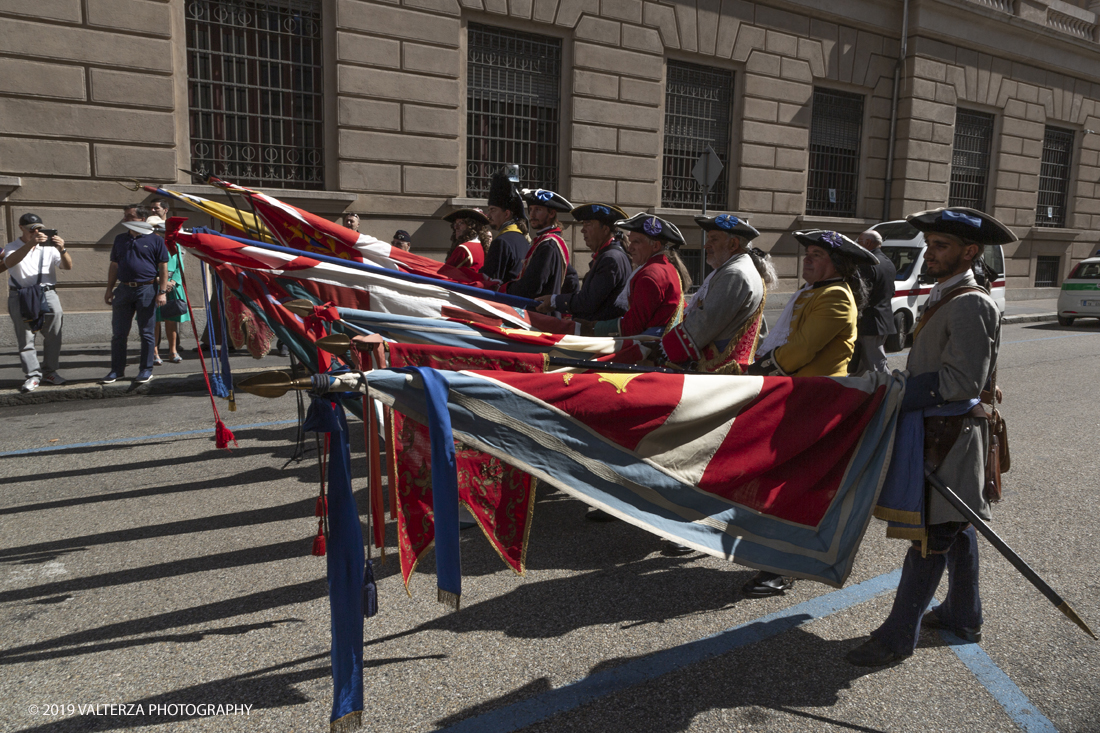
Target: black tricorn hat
[(603, 213), (476, 214), (503, 195), (547, 198), (836, 243), (728, 223), (654, 227), (970, 224)]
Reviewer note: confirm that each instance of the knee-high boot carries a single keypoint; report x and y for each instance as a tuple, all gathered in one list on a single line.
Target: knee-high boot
[(919, 578)]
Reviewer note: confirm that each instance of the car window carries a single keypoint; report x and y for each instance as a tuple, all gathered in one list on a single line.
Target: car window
[(1086, 271), (896, 230), (995, 258), (904, 258)]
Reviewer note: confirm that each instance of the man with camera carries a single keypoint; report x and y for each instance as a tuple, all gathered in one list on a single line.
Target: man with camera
[(31, 263)]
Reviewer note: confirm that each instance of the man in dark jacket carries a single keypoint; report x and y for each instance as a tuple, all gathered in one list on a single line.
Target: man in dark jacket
[(610, 269), (877, 320), (545, 268), (504, 260)]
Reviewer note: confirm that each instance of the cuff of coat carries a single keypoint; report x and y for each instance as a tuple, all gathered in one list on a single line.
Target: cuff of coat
[(767, 366), (607, 328), (677, 345)]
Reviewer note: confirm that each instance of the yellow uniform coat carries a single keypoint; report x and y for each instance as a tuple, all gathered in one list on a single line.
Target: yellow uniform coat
[(823, 333)]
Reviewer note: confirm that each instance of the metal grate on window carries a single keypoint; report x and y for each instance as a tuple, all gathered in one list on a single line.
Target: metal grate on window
[(970, 159), (835, 132), (1046, 271), (697, 114), (1054, 178), (254, 85), (512, 107)]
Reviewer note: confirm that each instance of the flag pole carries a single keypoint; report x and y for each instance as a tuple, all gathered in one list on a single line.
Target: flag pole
[(1002, 547)]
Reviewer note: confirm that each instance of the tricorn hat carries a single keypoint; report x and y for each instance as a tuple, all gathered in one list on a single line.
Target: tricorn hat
[(476, 214), (653, 227), (970, 224), (728, 223), (836, 243), (503, 194), (547, 198), (604, 213)]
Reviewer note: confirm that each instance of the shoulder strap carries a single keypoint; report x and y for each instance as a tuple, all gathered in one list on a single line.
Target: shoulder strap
[(929, 312)]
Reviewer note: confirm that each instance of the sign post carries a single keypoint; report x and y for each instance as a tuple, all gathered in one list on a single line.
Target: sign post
[(706, 172)]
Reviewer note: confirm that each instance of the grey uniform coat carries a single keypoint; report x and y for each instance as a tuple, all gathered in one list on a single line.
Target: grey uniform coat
[(960, 342), (733, 295)]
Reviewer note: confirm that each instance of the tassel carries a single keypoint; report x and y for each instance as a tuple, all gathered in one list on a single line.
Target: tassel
[(322, 507), (222, 436), (232, 402), (447, 598), (370, 592), (351, 721), (319, 542), (217, 386)]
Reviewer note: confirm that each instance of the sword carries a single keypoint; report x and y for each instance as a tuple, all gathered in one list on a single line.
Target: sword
[(1002, 547)]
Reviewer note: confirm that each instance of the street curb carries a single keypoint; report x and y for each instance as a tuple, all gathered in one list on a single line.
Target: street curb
[(1032, 318), (173, 384)]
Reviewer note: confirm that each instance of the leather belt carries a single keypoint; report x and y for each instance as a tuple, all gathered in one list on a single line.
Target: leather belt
[(138, 285)]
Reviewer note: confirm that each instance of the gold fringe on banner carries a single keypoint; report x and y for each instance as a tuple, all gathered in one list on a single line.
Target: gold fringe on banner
[(448, 599), (351, 721)]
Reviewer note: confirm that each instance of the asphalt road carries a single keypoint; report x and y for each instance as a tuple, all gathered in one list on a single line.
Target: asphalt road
[(160, 571)]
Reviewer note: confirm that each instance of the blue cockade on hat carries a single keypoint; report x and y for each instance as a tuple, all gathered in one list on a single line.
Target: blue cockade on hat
[(652, 226), (727, 221), (601, 209), (961, 217), (832, 238), (542, 195)]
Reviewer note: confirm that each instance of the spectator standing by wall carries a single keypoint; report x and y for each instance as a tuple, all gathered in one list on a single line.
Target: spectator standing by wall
[(401, 240), (32, 260), (175, 292), (139, 267), (877, 320)]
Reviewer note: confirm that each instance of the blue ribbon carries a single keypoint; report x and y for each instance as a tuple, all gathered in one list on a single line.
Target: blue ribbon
[(346, 560), (448, 563), (961, 217)]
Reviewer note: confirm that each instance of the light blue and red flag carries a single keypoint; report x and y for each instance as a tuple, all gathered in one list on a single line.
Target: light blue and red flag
[(774, 473)]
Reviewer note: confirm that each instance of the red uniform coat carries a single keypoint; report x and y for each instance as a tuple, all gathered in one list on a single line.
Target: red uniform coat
[(655, 295), (469, 256)]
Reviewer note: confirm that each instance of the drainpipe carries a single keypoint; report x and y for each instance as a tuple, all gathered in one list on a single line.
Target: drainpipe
[(888, 184)]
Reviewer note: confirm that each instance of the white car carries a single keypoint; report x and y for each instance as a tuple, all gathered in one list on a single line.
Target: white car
[(904, 245), (1080, 296)]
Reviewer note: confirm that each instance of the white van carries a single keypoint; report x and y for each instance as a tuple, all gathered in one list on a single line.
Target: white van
[(904, 245)]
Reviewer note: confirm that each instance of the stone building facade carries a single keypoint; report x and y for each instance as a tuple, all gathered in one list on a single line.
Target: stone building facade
[(380, 102)]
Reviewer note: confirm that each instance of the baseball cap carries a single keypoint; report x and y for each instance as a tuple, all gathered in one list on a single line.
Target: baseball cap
[(30, 220), (402, 236)]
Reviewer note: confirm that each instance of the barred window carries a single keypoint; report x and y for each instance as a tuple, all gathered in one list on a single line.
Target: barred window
[(970, 159), (697, 114), (835, 131), (1054, 178), (254, 86), (1046, 271), (512, 107)]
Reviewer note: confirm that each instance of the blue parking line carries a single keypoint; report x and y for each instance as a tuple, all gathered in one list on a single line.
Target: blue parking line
[(575, 694), (138, 439), (1003, 689)]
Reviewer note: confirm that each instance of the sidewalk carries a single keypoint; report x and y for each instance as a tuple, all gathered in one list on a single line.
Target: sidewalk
[(84, 364)]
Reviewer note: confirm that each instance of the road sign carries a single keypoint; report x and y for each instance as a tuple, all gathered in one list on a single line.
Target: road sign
[(707, 168)]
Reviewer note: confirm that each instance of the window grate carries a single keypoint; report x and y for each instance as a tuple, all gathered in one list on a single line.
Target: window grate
[(512, 107), (254, 85), (835, 132), (970, 159), (697, 114), (1054, 178), (1046, 271)]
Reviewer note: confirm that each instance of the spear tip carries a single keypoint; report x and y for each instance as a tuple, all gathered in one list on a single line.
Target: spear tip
[(1072, 616)]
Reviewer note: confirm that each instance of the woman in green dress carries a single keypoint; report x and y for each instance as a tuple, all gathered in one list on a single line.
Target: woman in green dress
[(171, 323)]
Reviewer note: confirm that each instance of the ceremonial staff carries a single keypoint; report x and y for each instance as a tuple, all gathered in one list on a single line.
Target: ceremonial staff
[(1002, 547)]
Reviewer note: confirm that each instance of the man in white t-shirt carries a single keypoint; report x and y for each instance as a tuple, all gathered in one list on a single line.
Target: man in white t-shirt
[(33, 260)]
